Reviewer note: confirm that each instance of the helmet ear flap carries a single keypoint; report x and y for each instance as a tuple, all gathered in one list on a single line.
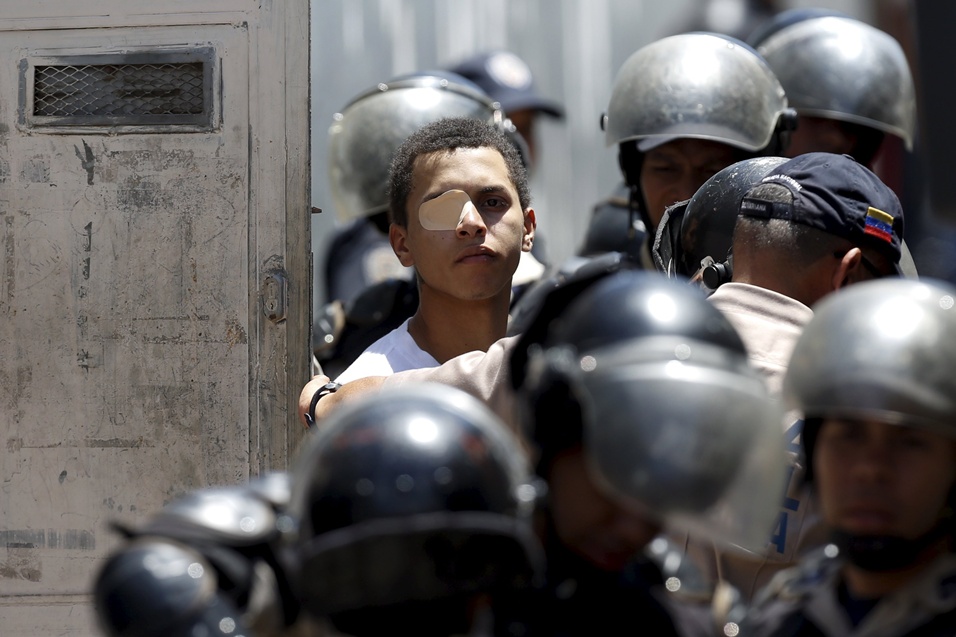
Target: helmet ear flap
[(786, 124), (547, 368), (629, 160), (552, 398), (808, 437)]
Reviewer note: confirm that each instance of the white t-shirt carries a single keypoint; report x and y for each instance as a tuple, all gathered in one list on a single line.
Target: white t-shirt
[(397, 351)]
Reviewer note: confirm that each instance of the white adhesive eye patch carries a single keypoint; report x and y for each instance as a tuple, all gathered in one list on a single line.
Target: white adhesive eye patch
[(445, 211)]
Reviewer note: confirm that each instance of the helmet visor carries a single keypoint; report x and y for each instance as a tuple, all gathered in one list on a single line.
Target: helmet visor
[(693, 441)]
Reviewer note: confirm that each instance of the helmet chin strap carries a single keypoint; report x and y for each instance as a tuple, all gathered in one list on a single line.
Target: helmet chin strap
[(630, 160), (635, 209), (884, 553)]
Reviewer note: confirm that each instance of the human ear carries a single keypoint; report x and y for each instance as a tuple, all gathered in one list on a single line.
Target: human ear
[(847, 271), (398, 237), (529, 227)]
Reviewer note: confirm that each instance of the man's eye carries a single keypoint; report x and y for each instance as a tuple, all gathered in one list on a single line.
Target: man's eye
[(662, 168), (841, 432), (914, 441), (495, 202)]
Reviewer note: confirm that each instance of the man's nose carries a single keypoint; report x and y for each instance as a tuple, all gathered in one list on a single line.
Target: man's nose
[(873, 460), (471, 223), (688, 185)]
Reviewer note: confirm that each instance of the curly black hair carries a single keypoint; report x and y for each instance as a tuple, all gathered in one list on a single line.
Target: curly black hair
[(447, 135)]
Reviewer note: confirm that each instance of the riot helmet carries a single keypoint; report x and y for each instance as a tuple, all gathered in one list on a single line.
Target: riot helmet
[(702, 86), (696, 235), (697, 85), (881, 351), (366, 133), (654, 383), (160, 588), (836, 67), (237, 531), (409, 502)]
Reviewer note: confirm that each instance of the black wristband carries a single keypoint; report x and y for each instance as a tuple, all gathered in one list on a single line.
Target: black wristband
[(320, 393)]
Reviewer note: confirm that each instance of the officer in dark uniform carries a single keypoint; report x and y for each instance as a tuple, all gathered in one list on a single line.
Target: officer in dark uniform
[(681, 109), (209, 563), (415, 516), (642, 413), (849, 82), (694, 237), (508, 80), (874, 375)]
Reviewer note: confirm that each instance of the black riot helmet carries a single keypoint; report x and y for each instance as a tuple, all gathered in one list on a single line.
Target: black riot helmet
[(409, 502), (698, 233), (161, 588), (653, 382)]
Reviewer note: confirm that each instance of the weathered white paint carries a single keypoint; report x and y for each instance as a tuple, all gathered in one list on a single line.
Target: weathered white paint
[(136, 361)]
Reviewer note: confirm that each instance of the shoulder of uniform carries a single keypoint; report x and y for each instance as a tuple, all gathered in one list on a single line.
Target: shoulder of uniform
[(812, 570), (681, 576)]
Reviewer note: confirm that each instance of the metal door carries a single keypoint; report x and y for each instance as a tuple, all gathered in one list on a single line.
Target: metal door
[(154, 272)]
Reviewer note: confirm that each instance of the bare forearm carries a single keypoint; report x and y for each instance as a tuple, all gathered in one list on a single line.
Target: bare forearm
[(345, 393)]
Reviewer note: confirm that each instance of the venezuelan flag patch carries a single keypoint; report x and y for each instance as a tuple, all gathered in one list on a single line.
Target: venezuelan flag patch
[(879, 224)]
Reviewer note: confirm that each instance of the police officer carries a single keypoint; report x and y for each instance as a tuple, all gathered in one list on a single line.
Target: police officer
[(211, 562), (414, 511), (638, 402), (849, 82), (694, 237), (409, 511), (812, 226), (508, 80), (642, 413), (873, 373), (681, 109)]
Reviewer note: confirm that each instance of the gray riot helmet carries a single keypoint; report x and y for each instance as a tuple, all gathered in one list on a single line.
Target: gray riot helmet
[(880, 349), (409, 502), (838, 67), (366, 133), (701, 86), (693, 85), (697, 234), (655, 384)]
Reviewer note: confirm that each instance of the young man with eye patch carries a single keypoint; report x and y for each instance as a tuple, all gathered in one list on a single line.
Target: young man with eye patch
[(460, 212)]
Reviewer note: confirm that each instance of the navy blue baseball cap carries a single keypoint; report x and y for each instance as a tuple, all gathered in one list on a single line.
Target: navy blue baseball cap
[(835, 194), (508, 80)]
